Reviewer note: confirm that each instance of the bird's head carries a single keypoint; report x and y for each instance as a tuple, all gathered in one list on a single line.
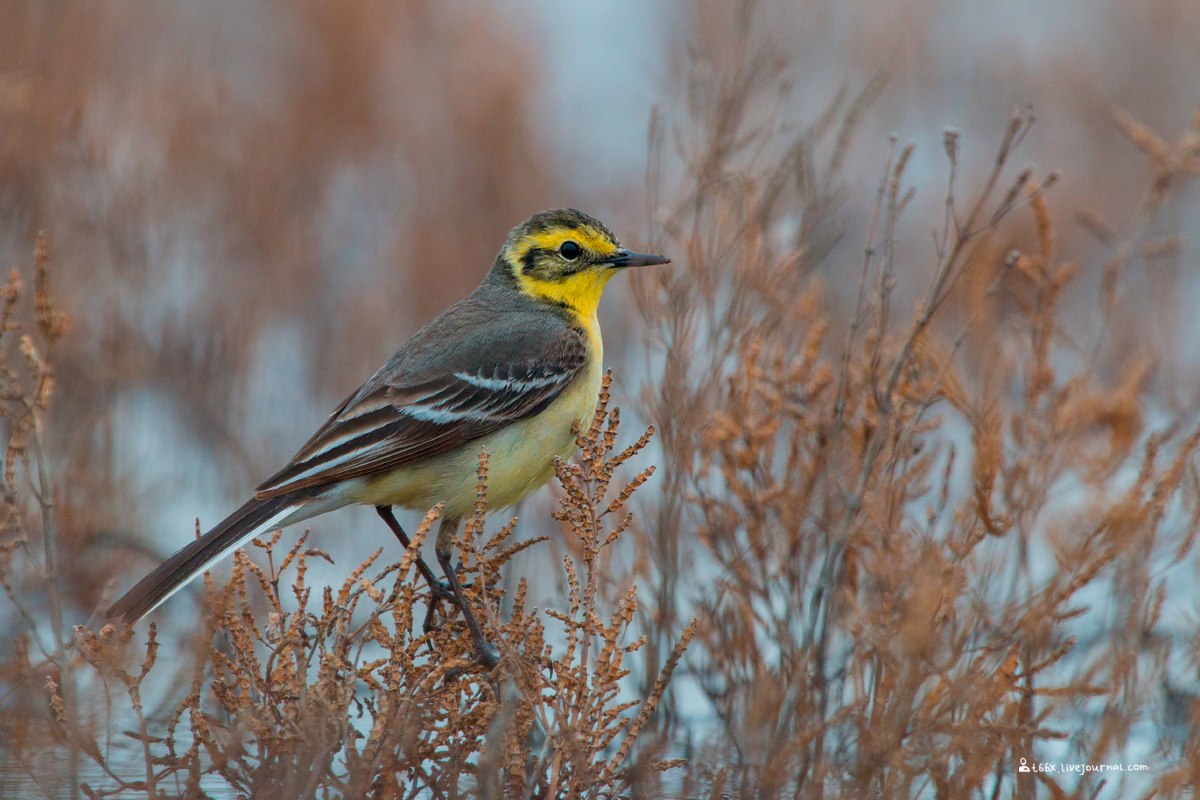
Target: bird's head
[(566, 257)]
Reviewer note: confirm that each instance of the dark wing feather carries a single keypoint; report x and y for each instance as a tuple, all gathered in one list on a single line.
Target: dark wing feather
[(400, 418)]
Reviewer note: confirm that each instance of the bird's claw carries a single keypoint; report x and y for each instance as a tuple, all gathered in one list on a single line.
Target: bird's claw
[(488, 655), (441, 590)]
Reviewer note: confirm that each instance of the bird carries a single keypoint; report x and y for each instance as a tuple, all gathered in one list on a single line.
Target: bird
[(514, 368)]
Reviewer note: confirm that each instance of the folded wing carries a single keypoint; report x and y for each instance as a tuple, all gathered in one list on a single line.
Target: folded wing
[(395, 419)]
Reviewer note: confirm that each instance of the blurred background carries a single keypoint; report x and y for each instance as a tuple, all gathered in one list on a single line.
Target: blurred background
[(253, 205)]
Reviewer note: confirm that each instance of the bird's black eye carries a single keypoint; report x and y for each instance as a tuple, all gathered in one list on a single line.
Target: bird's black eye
[(569, 250)]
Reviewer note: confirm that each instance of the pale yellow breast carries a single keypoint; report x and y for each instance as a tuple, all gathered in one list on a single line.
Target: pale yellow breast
[(520, 457)]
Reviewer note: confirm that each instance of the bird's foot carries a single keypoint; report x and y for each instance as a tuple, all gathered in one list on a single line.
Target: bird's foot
[(440, 591), (487, 654)]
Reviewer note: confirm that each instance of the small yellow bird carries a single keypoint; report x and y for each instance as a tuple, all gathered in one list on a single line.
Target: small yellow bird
[(511, 369)]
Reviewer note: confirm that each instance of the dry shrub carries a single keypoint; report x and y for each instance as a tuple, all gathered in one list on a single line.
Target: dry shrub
[(924, 544), (340, 694)]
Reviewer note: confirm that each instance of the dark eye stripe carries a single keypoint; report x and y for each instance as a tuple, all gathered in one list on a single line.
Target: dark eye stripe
[(529, 261)]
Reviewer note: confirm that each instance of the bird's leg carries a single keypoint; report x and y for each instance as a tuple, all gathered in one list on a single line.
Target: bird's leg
[(487, 654), (438, 588)]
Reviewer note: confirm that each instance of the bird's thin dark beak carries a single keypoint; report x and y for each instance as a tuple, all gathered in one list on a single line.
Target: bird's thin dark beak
[(628, 258)]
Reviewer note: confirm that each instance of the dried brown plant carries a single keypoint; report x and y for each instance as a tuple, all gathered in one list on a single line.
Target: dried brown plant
[(296, 696), (895, 599)]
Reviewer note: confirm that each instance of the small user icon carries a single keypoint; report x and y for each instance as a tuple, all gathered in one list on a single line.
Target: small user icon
[(1024, 767)]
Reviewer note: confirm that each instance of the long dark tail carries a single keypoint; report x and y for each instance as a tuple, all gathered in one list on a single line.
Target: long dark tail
[(171, 575)]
